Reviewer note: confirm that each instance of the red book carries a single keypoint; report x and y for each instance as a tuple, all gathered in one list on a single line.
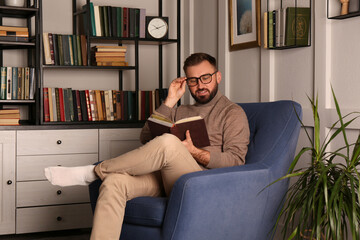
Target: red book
[(125, 22), (46, 105), (62, 108), (88, 104), (78, 105)]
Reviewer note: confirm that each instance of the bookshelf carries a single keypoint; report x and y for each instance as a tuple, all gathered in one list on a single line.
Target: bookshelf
[(31, 13), (117, 41), (351, 14), (283, 9)]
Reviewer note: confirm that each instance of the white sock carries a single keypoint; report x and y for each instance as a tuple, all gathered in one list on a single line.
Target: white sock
[(70, 176)]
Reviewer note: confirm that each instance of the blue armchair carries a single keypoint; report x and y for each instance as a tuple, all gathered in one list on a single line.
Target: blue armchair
[(225, 203)]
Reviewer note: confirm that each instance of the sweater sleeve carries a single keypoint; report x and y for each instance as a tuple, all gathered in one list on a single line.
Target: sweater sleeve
[(236, 136), (145, 135)]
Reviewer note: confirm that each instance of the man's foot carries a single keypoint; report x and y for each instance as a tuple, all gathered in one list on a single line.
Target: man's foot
[(70, 176)]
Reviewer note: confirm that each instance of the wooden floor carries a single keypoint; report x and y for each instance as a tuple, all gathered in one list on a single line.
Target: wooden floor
[(83, 234)]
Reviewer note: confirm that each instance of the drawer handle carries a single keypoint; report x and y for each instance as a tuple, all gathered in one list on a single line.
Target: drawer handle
[(58, 142), (59, 192), (9, 182), (59, 219)]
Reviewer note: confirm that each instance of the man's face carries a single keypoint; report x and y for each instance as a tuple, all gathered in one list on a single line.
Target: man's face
[(203, 93)]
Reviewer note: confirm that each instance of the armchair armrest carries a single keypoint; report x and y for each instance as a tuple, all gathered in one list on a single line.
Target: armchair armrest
[(204, 205)]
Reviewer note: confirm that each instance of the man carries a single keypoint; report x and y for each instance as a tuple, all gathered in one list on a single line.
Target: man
[(155, 166)]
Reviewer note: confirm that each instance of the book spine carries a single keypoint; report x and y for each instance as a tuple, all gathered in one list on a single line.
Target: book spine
[(83, 105), (9, 83), (51, 109), (88, 105), (14, 87), (3, 83), (55, 108), (78, 105), (92, 18), (46, 46), (51, 44), (58, 111), (46, 105), (62, 106)]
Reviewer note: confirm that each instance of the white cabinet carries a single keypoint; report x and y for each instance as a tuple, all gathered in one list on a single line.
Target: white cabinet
[(7, 182), (28, 202), (41, 206), (114, 142)]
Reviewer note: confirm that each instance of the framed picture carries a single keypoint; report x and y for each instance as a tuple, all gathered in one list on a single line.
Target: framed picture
[(244, 18)]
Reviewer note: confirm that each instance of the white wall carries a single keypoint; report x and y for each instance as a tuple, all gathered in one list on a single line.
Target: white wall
[(333, 58)]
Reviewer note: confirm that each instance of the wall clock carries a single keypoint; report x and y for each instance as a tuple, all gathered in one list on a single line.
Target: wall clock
[(157, 27)]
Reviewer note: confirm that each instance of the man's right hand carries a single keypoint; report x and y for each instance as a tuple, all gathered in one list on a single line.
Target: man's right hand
[(176, 91)]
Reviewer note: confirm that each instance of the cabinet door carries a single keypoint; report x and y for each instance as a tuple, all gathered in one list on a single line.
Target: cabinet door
[(114, 142), (7, 181)]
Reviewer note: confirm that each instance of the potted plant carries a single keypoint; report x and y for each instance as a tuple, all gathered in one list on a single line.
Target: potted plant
[(323, 203)]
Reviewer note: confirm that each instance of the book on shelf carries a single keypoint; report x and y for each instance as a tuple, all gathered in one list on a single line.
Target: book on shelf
[(14, 34), (282, 28), (109, 55), (297, 26), (9, 116), (100, 105), (17, 83), (9, 121), (196, 125), (112, 21), (64, 49)]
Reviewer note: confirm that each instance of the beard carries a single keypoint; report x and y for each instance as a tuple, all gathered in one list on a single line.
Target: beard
[(207, 98)]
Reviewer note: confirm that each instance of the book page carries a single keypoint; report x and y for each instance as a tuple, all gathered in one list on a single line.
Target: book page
[(189, 119)]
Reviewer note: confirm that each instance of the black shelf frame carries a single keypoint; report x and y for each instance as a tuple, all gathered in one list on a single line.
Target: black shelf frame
[(342, 17), (292, 46), (32, 11), (114, 40)]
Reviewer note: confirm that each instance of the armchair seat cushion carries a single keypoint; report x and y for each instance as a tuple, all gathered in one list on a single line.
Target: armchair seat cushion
[(146, 211)]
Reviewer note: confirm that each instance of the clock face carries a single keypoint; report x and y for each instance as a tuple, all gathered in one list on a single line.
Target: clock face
[(157, 28)]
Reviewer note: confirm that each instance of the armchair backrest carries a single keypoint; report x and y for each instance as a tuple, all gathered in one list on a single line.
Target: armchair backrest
[(272, 125)]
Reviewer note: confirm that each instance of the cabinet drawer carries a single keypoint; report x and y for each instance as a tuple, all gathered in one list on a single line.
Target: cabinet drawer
[(57, 142), (32, 167), (39, 193), (53, 218)]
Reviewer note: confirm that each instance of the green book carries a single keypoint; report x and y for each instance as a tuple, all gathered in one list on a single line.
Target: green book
[(119, 21), (106, 21), (297, 26), (271, 29), (74, 48), (92, 19), (78, 47), (3, 83), (60, 50)]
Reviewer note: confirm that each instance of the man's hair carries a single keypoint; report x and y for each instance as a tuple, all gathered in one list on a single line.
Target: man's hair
[(196, 58)]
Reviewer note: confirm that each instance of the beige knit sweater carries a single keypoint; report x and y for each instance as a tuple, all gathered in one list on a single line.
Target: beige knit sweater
[(227, 127)]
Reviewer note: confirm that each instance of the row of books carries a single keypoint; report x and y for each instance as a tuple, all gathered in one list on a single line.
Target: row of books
[(12, 33), (17, 83), (67, 105), (9, 117), (63, 49), (108, 21), (287, 27), (109, 55)]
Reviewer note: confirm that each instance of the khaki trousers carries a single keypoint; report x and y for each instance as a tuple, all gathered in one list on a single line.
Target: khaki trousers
[(145, 171)]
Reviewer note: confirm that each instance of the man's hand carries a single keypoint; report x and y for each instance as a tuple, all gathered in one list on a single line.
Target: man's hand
[(176, 91), (201, 156)]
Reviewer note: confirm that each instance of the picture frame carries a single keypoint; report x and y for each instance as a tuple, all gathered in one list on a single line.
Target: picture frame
[(244, 23)]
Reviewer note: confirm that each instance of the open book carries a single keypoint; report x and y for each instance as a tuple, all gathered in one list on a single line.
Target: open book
[(196, 125)]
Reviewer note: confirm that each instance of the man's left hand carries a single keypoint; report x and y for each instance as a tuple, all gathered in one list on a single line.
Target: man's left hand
[(200, 155)]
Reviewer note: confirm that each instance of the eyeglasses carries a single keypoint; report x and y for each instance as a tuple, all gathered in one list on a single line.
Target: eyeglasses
[(205, 79)]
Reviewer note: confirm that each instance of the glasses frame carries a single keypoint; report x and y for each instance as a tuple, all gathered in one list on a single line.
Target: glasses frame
[(199, 79)]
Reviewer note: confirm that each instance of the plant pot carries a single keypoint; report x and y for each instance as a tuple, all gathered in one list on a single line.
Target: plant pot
[(15, 3)]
